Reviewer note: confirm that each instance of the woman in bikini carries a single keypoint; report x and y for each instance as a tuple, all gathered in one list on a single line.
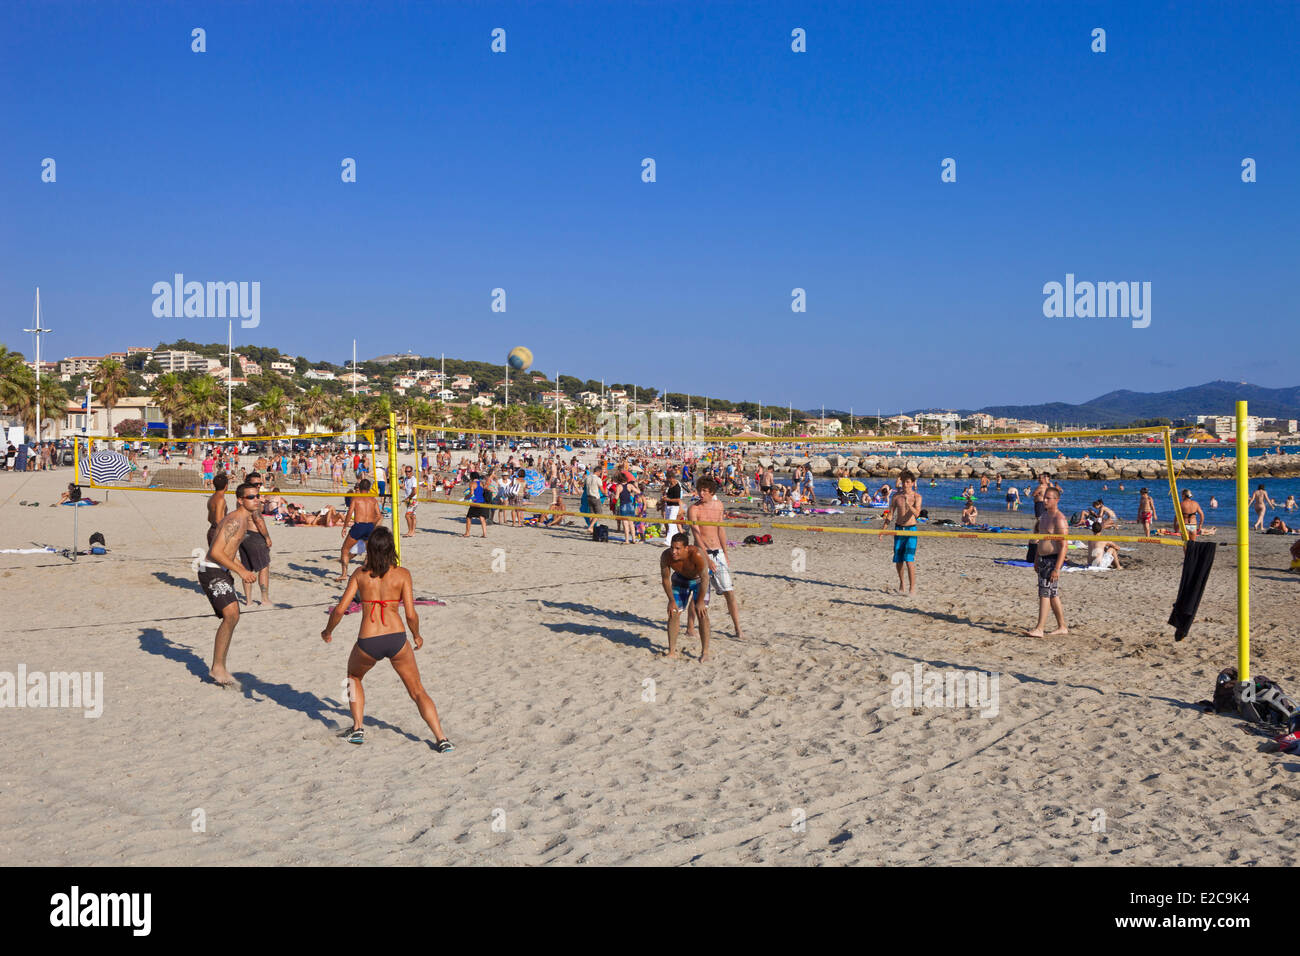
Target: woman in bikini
[(381, 586)]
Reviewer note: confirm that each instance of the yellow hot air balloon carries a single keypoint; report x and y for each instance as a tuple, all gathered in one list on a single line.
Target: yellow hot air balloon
[(520, 359)]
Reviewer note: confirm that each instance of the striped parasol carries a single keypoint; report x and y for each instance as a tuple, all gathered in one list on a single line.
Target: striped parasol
[(105, 466)]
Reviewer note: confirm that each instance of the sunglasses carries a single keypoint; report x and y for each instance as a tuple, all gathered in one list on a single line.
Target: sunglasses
[(250, 497)]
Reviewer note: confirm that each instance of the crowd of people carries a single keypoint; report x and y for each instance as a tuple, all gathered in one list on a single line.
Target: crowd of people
[(668, 495)]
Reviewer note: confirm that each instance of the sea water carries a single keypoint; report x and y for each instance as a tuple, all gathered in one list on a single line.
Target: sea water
[(1079, 494)]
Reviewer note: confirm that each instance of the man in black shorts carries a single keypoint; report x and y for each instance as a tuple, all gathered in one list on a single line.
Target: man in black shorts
[(255, 552), (1050, 556), (215, 576)]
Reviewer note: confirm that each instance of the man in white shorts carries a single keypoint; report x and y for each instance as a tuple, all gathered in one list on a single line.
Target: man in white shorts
[(409, 488), (714, 542)]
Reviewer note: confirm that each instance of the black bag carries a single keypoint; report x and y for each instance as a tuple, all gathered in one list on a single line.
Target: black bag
[(599, 532), (1262, 701)]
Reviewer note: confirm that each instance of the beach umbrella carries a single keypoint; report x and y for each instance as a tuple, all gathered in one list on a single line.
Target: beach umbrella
[(105, 466), (859, 486), (845, 484)]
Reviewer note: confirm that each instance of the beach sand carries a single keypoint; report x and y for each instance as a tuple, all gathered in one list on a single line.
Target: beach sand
[(785, 749)]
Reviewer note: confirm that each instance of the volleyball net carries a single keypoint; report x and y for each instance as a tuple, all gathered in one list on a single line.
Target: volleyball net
[(329, 464), (995, 473)]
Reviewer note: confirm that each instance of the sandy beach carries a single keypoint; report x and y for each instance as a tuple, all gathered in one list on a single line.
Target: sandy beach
[(578, 743)]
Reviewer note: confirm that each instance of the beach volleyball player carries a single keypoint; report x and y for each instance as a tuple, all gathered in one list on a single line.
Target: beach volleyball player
[(382, 586), (216, 572), (684, 570)]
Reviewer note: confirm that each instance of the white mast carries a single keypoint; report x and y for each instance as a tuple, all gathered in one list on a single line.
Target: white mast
[(38, 330), (230, 370)]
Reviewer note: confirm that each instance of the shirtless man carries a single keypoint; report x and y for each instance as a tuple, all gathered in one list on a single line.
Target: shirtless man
[(216, 579), (255, 551), (1146, 511), (1261, 502), (1103, 554), (217, 504), (363, 513), (1193, 516), (1047, 564), (685, 573), (1013, 498), (713, 541), (904, 508)]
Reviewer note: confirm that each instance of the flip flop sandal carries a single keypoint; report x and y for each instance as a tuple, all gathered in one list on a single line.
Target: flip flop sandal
[(355, 736), (444, 746)]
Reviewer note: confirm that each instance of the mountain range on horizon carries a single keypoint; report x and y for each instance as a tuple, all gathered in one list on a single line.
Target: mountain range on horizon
[(1123, 405)]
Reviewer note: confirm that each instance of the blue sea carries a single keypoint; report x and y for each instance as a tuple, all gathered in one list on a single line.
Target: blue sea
[(1080, 494), (1181, 452)]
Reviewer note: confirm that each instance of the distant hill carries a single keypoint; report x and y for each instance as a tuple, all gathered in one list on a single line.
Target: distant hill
[(1123, 406)]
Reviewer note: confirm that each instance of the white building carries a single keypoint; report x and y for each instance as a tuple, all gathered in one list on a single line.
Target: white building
[(462, 383), (319, 373), (173, 361), (287, 368), (80, 365), (825, 427)]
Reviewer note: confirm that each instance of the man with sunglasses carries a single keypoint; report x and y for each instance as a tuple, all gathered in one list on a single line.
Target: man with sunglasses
[(215, 576), (255, 551)]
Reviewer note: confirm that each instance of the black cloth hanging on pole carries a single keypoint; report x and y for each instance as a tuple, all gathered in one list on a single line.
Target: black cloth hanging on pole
[(1198, 559)]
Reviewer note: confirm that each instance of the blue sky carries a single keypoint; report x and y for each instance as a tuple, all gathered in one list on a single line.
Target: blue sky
[(775, 170)]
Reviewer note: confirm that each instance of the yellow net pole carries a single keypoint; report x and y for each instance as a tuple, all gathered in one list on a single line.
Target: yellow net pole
[(1173, 485), (1243, 548), (392, 484)]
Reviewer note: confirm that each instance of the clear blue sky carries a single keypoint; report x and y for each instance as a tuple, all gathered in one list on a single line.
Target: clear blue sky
[(775, 170)]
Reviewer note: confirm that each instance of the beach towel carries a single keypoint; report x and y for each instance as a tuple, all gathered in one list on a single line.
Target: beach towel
[(27, 551), (83, 503), (1084, 567), (1198, 560), (1014, 563)]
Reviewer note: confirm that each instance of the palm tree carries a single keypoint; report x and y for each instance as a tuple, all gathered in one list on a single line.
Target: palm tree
[(332, 416), (12, 394), (111, 386), (18, 392), (271, 411), (53, 395), (202, 403), (312, 406), (169, 393), (537, 417), (512, 419)]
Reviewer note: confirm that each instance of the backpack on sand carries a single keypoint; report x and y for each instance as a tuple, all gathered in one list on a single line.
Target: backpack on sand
[(599, 532), (1262, 702)]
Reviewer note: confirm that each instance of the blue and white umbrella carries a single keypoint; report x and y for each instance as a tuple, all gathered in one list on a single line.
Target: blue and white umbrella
[(105, 466)]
